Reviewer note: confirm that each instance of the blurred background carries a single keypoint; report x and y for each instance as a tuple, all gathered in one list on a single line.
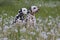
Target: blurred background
[(48, 20), (47, 7)]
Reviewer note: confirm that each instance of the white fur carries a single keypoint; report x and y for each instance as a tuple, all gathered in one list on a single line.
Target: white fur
[(31, 19), (24, 10), (34, 10)]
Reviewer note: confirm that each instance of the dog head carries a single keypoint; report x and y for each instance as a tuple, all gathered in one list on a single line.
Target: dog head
[(34, 9), (23, 11)]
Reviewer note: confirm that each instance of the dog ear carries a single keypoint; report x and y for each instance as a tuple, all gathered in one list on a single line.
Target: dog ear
[(20, 11), (30, 9)]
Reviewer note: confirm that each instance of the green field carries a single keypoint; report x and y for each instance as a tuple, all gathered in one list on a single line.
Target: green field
[(48, 20)]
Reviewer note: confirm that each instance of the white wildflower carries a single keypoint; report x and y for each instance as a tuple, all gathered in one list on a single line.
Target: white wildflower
[(1, 38), (11, 21), (40, 5), (48, 32), (5, 14), (50, 23), (58, 39), (46, 20), (0, 19), (16, 30), (5, 28), (52, 31), (37, 38), (5, 38), (10, 26), (23, 30), (22, 39), (44, 35), (59, 25), (40, 20), (32, 33), (50, 16), (37, 29), (0, 28)]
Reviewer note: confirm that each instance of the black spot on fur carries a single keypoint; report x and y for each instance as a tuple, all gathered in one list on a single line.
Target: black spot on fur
[(20, 10)]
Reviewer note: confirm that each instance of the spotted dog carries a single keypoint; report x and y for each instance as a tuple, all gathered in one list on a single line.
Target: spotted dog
[(31, 19), (20, 16)]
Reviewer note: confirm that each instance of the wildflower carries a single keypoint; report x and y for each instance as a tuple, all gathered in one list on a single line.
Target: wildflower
[(0, 28), (44, 35), (32, 33), (59, 25), (58, 39), (0, 19), (22, 39), (23, 30), (16, 30), (5, 38)]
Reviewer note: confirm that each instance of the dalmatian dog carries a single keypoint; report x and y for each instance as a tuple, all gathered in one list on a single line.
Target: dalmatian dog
[(20, 17), (31, 19)]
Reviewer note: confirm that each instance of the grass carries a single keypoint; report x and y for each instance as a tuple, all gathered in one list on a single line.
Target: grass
[(48, 20)]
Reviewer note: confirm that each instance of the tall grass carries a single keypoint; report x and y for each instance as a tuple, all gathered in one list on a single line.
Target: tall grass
[(48, 20)]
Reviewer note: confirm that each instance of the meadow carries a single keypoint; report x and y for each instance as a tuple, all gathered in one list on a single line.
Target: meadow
[(48, 20)]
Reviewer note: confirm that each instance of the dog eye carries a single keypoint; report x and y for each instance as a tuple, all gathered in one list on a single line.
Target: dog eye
[(24, 10), (34, 8)]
